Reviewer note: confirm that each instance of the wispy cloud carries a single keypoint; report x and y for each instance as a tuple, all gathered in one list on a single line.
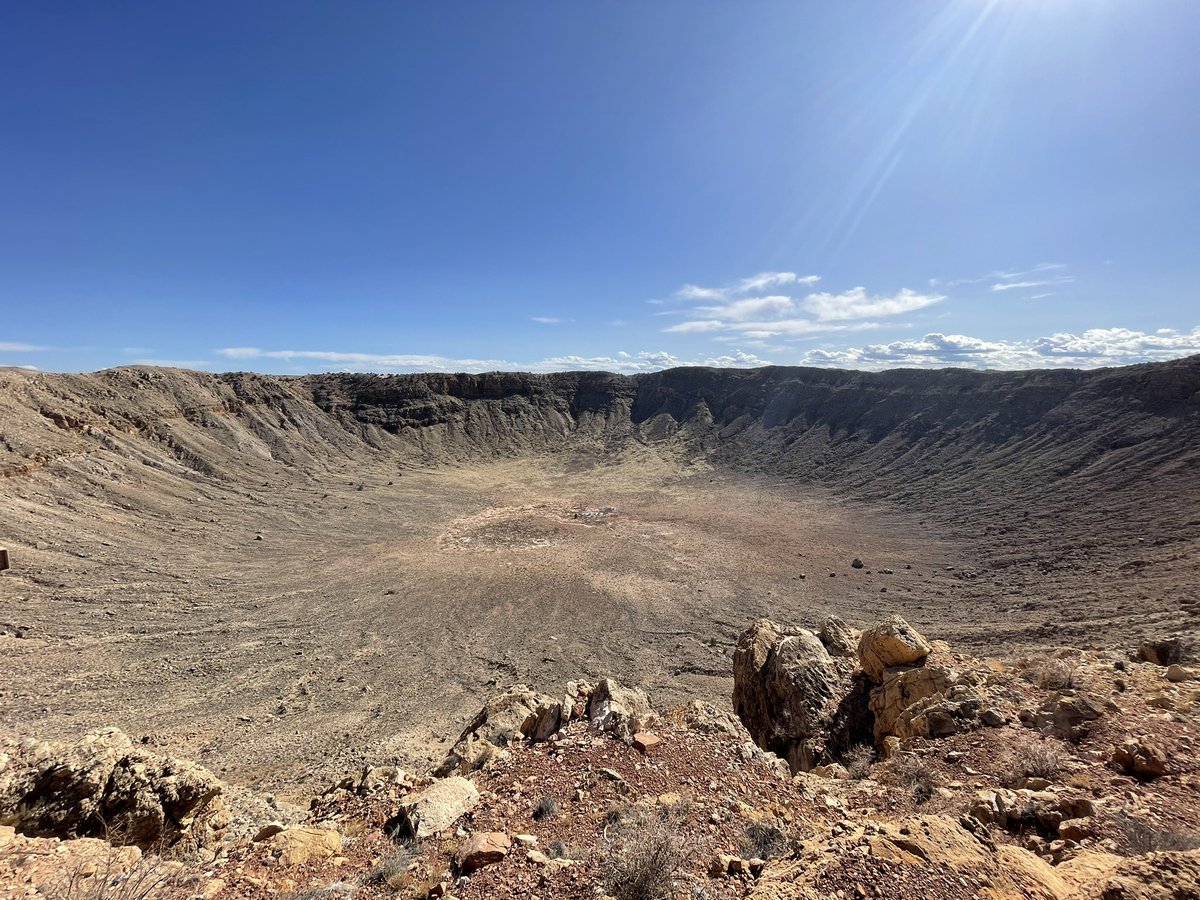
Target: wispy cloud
[(1041, 275), (17, 347), (788, 312), (1091, 349), (1026, 285), (549, 320), (763, 281), (629, 363)]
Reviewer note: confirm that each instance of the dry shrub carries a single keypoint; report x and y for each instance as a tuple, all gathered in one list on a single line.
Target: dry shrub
[(1044, 759), (916, 774), (858, 760), (392, 869), (1050, 674), (645, 868), (114, 876), (764, 840), (547, 808), (1143, 837)]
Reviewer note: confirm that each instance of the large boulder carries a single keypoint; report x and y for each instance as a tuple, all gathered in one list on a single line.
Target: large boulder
[(435, 808), (516, 714), (893, 642), (104, 785), (783, 684), (621, 710), (933, 700), (1162, 651)]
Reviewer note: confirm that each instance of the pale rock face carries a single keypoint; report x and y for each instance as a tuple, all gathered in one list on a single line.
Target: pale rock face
[(106, 784), (624, 711), (837, 637), (893, 642), (304, 844), (516, 714), (437, 807), (782, 681)]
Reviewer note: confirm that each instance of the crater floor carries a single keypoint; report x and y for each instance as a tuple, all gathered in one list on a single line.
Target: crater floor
[(283, 633)]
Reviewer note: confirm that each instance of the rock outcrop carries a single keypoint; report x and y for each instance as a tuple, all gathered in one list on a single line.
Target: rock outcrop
[(783, 684), (104, 785), (516, 714), (893, 642), (435, 808)]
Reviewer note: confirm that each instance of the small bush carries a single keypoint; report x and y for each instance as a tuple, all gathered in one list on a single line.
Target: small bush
[(114, 876), (918, 775), (1145, 838), (547, 808), (1041, 760), (645, 869), (858, 760), (763, 840), (391, 869), (1050, 674)]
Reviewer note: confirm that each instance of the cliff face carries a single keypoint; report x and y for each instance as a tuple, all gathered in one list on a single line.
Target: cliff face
[(909, 435)]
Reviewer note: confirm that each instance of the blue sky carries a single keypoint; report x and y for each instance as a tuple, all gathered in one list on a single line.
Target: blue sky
[(383, 186)]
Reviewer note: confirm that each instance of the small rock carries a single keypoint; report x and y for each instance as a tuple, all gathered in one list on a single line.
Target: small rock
[(646, 742), (481, 850)]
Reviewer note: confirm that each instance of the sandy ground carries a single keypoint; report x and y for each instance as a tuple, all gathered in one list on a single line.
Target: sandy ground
[(381, 605)]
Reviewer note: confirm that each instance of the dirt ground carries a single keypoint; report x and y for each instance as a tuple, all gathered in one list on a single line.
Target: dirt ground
[(283, 631)]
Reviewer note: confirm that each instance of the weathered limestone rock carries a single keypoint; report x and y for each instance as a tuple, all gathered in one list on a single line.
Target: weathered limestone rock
[(481, 850), (621, 710), (1066, 715), (516, 714), (105, 785), (893, 642), (1141, 758), (782, 681), (436, 807), (837, 637), (302, 844)]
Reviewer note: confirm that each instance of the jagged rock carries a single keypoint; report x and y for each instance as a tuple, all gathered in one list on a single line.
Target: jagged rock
[(1157, 876), (837, 637), (914, 851), (700, 716), (893, 642), (900, 688), (1162, 652), (105, 785), (436, 807), (1066, 715), (1141, 758), (515, 714), (481, 850), (302, 844), (621, 710), (782, 681)]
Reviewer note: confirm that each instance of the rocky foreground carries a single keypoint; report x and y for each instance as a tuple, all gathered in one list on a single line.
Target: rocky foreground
[(860, 764)]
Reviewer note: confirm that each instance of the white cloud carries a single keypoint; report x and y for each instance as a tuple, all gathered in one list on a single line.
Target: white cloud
[(623, 362), (763, 281), (1091, 349), (1025, 285), (857, 304), (790, 312), (17, 347), (548, 320)]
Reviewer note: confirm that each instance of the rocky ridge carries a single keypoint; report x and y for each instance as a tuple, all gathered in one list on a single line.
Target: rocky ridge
[(903, 769)]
